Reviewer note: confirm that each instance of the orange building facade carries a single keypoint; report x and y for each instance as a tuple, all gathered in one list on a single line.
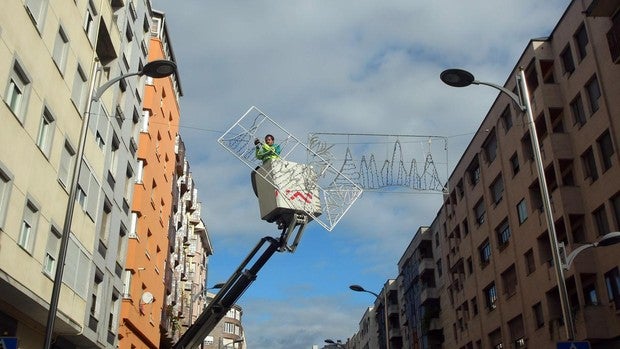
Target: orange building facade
[(157, 130)]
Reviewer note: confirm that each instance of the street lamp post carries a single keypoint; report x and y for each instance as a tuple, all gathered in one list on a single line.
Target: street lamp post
[(462, 78), (154, 69), (358, 288), (606, 240)]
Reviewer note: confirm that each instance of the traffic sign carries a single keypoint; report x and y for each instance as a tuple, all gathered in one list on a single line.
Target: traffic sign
[(8, 342), (573, 345)]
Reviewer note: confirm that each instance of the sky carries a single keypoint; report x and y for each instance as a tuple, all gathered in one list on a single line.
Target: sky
[(341, 66)]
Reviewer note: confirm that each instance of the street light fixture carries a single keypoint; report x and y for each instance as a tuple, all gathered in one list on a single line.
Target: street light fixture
[(606, 240), (358, 288), (154, 69), (462, 78), (337, 343)]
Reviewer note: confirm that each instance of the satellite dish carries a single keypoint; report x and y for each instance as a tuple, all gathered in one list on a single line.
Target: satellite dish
[(147, 297)]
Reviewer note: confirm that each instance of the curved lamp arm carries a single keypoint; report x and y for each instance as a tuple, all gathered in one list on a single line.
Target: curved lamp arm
[(571, 256), (606, 240), (111, 82), (505, 90)]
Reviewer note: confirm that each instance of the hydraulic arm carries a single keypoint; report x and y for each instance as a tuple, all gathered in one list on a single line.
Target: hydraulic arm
[(228, 295)]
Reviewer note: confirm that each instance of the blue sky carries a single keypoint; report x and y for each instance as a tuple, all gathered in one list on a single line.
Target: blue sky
[(332, 66)]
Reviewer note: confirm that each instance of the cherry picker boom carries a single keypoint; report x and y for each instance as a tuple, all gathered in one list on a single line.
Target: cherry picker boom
[(288, 196)]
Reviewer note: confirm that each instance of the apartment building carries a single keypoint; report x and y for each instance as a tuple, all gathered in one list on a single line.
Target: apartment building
[(229, 331), (419, 273), (54, 56), (488, 249), (188, 255), (156, 133), (500, 290), (366, 337)]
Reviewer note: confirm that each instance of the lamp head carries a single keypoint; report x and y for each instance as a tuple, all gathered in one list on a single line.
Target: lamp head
[(357, 288), (218, 285), (457, 77), (610, 239), (330, 341), (159, 68)]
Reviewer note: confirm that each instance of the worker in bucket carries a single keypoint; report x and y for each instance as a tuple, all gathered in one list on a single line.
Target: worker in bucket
[(264, 152), (267, 151)]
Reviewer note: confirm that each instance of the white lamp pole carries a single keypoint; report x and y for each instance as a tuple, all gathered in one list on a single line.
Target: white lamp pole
[(462, 78)]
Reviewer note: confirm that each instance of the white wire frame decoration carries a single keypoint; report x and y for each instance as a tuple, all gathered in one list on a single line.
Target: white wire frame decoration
[(337, 192), (385, 162)]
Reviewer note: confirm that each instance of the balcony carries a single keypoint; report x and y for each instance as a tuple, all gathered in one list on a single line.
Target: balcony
[(426, 263), (546, 96), (558, 146), (394, 332), (429, 293), (567, 200)]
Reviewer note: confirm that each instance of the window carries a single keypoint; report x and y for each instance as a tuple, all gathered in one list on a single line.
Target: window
[(509, 279), (514, 163), (490, 296), (89, 21), (46, 131), (590, 295), (65, 168), (503, 233), (114, 155), (506, 119), (615, 204), (133, 229), (497, 189), (95, 297), (485, 252), (474, 306), (522, 211), (589, 165), (61, 47), (539, 318), (594, 94), (127, 284), (121, 247), (77, 269), (600, 220), (479, 211), (51, 252), (106, 217), (530, 265), (144, 122), (567, 60), (78, 90), (229, 327), (36, 9), (612, 283), (140, 171), (474, 172), (517, 332), (581, 39), (113, 314), (490, 147), (17, 91), (5, 192), (28, 226), (88, 188), (606, 149), (576, 107)]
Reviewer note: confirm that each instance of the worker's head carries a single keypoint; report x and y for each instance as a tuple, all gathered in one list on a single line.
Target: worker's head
[(269, 139)]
